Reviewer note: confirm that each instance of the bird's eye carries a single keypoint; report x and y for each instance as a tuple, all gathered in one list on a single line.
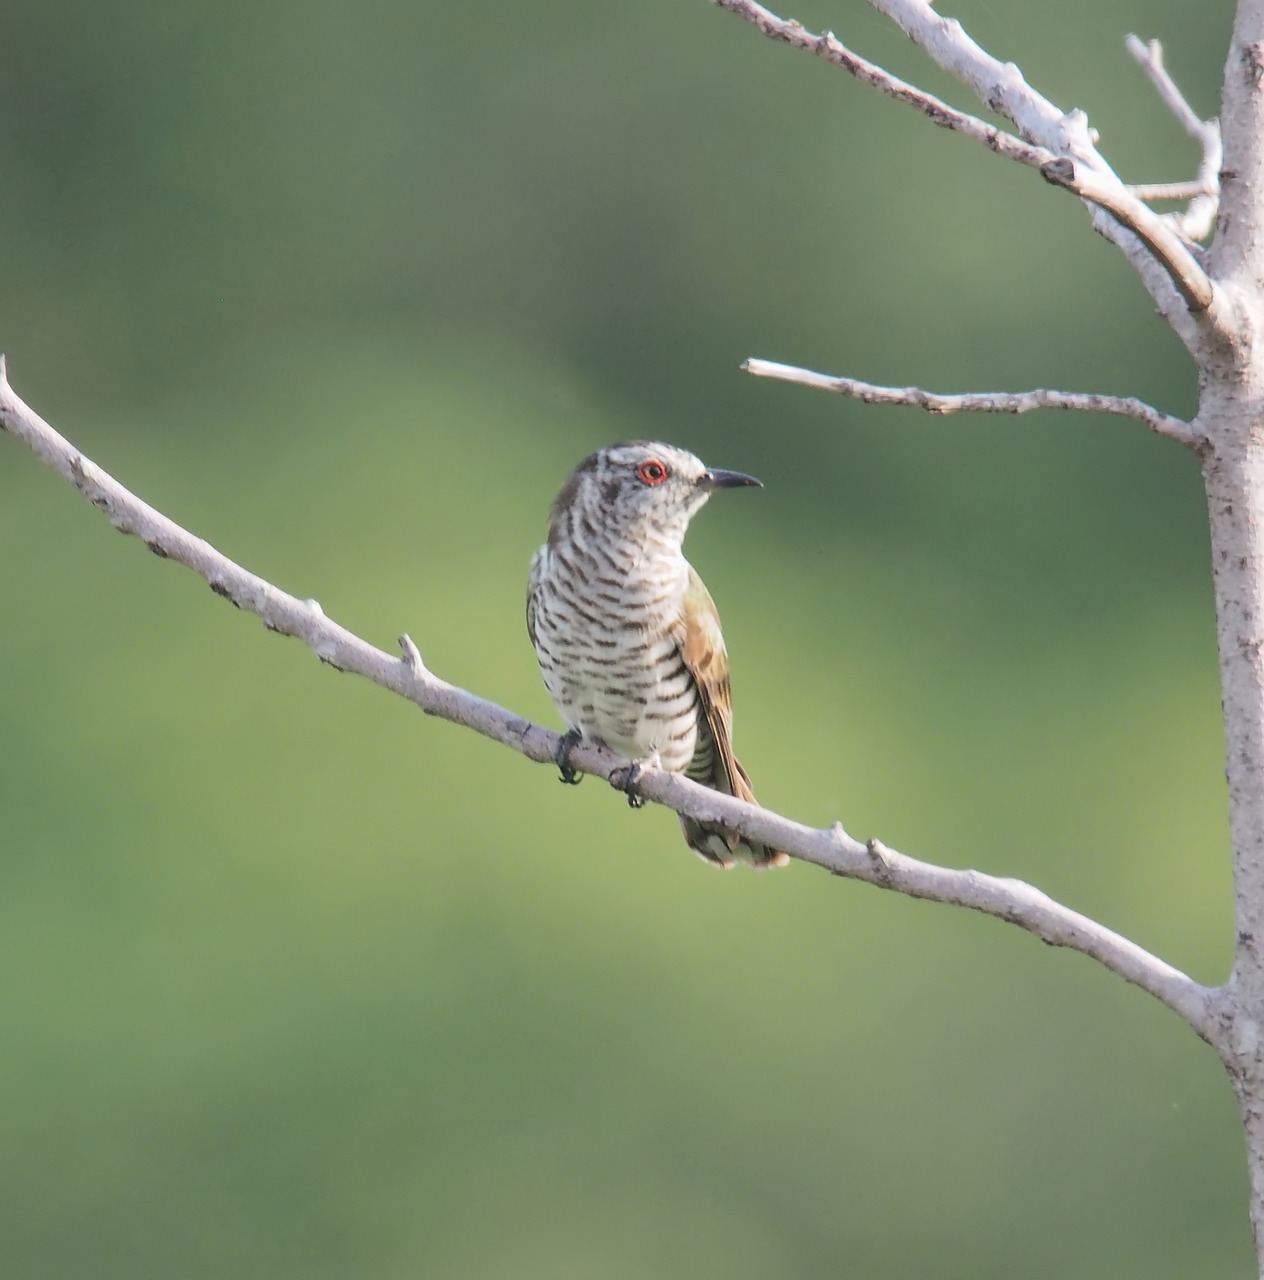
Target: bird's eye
[(652, 472)]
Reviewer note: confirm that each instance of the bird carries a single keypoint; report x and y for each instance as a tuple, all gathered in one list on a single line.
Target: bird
[(627, 636)]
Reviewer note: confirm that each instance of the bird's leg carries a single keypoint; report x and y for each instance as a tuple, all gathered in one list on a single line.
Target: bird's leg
[(562, 757), (627, 778)]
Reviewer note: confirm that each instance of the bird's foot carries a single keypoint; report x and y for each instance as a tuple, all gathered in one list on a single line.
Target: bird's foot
[(627, 778), (562, 757)]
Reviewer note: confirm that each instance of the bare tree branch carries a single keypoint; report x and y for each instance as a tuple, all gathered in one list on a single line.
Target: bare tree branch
[(1190, 190), (1059, 144), (1199, 219), (1149, 56), (408, 676), (984, 401), (1001, 86)]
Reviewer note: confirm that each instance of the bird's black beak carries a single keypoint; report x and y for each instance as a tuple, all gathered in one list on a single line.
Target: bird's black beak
[(717, 479)]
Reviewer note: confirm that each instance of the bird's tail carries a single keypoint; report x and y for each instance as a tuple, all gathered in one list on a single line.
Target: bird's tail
[(721, 846)]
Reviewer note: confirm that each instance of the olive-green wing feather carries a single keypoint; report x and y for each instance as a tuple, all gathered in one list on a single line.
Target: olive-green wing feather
[(706, 659)]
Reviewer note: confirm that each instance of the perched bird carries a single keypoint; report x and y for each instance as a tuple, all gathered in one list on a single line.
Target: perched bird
[(627, 636)]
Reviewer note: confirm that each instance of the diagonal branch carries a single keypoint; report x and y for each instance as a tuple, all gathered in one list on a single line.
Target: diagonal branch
[(1149, 57), (828, 47), (1191, 281), (985, 401), (407, 676)]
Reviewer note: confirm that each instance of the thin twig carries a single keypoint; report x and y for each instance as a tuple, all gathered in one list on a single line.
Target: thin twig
[(1190, 190), (1199, 218), (1149, 56), (407, 676), (984, 401), (832, 50)]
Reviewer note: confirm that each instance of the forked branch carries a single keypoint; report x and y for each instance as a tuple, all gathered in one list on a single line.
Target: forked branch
[(408, 676), (1058, 144)]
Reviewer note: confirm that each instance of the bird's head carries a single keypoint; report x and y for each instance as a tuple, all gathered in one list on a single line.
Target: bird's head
[(642, 489)]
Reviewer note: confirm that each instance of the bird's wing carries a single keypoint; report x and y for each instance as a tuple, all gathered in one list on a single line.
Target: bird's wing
[(702, 648)]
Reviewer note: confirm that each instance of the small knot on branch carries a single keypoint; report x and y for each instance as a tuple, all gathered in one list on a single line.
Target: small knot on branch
[(224, 589), (1059, 172), (411, 657), (882, 858), (879, 852)]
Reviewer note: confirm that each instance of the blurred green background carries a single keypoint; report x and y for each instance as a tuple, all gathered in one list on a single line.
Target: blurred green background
[(301, 984)]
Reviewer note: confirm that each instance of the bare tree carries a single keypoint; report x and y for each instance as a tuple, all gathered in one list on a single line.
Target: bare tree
[(1214, 301)]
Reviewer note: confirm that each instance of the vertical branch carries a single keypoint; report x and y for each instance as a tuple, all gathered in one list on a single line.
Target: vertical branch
[(1232, 414), (1235, 255), (1234, 476)]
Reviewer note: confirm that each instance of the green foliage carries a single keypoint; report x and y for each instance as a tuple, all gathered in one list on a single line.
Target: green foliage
[(300, 983)]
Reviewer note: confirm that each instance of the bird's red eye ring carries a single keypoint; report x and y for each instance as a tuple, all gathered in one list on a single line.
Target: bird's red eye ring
[(652, 472)]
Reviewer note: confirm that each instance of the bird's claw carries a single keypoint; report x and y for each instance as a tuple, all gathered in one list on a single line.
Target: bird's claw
[(627, 778), (562, 757)]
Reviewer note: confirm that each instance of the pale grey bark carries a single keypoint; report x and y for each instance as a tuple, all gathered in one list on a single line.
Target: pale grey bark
[(1231, 413)]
